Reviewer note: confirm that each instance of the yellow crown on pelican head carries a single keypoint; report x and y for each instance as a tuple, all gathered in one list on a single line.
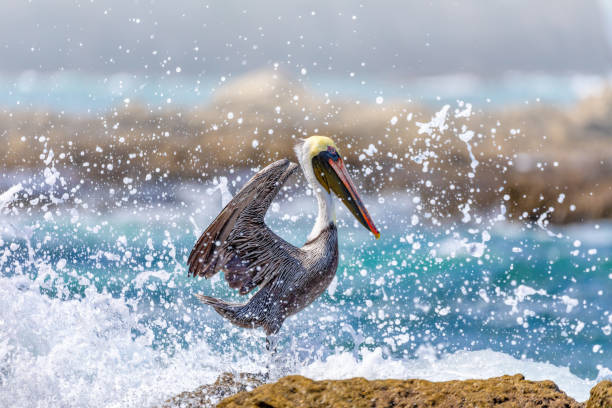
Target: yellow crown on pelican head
[(319, 144)]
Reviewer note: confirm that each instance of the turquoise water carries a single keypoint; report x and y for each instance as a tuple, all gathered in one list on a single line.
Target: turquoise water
[(385, 289), (421, 290), (96, 308), (77, 93)]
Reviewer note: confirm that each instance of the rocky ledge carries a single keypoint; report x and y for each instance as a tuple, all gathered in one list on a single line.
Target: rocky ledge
[(297, 391)]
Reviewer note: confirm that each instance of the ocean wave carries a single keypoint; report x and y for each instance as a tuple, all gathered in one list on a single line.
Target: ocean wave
[(83, 352)]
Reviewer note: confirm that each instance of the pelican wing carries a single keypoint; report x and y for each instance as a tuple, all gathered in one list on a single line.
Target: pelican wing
[(239, 242)]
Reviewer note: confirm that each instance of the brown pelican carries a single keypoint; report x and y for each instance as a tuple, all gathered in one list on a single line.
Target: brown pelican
[(251, 254)]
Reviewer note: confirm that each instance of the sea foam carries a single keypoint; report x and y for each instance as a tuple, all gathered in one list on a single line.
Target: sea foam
[(84, 353)]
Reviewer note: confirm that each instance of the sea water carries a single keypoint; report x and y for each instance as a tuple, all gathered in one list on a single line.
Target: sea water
[(77, 93), (96, 308)]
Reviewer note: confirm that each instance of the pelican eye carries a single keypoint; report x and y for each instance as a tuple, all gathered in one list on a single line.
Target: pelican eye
[(333, 153)]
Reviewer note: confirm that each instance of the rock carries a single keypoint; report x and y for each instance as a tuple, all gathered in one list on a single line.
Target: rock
[(553, 164), (263, 89), (601, 395), (506, 391), (208, 395)]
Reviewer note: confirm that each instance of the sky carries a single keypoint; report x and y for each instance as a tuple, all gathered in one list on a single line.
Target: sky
[(392, 38)]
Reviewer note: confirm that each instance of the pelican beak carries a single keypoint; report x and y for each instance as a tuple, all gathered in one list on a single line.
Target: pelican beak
[(329, 169)]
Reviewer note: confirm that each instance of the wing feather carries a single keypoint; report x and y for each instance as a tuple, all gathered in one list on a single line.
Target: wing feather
[(239, 242)]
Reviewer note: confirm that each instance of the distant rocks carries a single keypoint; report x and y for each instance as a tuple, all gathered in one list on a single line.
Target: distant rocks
[(532, 163), (297, 391), (257, 89)]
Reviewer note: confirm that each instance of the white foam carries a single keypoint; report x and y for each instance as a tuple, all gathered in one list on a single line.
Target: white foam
[(9, 195), (461, 365), (221, 186), (82, 353), (436, 124)]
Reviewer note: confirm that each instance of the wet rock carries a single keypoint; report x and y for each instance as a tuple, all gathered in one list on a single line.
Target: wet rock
[(506, 391), (208, 395), (601, 395)]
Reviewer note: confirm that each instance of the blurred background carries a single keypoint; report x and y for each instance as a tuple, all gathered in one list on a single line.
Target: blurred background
[(155, 50), (394, 40), (183, 76), (480, 134)]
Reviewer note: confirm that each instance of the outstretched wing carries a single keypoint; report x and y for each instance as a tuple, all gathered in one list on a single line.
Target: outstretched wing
[(239, 242)]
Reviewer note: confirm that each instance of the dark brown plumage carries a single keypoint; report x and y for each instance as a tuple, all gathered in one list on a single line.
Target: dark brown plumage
[(240, 243)]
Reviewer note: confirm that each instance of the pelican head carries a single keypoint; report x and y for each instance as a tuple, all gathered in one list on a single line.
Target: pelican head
[(326, 173)]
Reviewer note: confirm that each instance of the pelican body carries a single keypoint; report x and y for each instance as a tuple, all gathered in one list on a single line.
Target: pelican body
[(252, 255)]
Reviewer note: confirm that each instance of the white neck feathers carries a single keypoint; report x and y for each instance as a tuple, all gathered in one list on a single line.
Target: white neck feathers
[(326, 215), (327, 212)]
